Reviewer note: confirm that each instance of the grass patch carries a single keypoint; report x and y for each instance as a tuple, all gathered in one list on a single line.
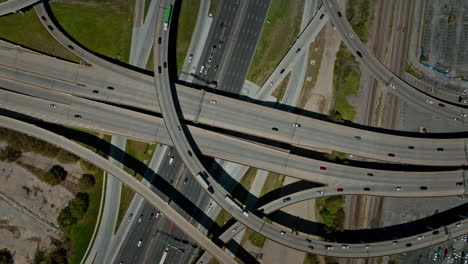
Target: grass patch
[(315, 54), (346, 78), (27, 30), (213, 261), (187, 21), (213, 7), (126, 197), (311, 259), (222, 217), (331, 211), (80, 233), (412, 71), (255, 238), (245, 183), (281, 89), (273, 181), (104, 27), (358, 13), (150, 64), (276, 38), (335, 155)]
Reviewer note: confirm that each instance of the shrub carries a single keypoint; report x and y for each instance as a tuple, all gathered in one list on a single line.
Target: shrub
[(57, 256), (6, 257), (55, 175), (87, 181), (79, 205), (66, 157), (9, 154)]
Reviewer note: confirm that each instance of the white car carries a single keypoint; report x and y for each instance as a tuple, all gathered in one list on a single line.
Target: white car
[(420, 237), (235, 229), (139, 243), (283, 233), (351, 35), (157, 214), (399, 188), (319, 192), (429, 101), (52, 105), (190, 58), (171, 160), (296, 125), (202, 68)]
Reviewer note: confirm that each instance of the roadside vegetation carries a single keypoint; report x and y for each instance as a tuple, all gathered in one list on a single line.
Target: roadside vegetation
[(311, 259), (346, 79), (222, 217), (358, 13), (126, 197), (5, 256), (104, 27), (315, 56), (273, 181), (281, 89), (332, 213), (55, 256), (277, 36), (409, 69), (187, 20), (255, 238), (213, 7), (55, 175), (26, 30)]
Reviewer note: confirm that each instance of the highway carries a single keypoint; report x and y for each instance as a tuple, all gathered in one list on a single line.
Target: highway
[(122, 176), (180, 136), (151, 129), (13, 6), (313, 133), (440, 104)]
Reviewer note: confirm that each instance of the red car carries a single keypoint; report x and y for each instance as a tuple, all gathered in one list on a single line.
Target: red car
[(323, 168), (441, 105), (339, 190), (391, 155)]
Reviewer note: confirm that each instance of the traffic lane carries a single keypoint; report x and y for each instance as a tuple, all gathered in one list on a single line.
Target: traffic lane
[(244, 46), (286, 131), (12, 6)]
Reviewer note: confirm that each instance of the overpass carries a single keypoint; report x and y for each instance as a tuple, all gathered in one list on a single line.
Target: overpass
[(51, 75), (13, 6)]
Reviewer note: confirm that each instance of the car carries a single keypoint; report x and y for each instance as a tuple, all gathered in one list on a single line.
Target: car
[(420, 237), (283, 233), (201, 69), (170, 151), (274, 128), (391, 85), (459, 183), (235, 229), (171, 160), (52, 105), (185, 180), (78, 116), (357, 138), (423, 188), (206, 72), (151, 216), (319, 192), (213, 101), (395, 242), (323, 168), (366, 189), (458, 225), (271, 84), (398, 188), (140, 218), (139, 243), (351, 35), (157, 214), (464, 115), (367, 246), (190, 58), (370, 174), (129, 217), (441, 105), (456, 119), (344, 246), (220, 44), (429, 101), (287, 199), (339, 190), (328, 247), (435, 232), (408, 244), (308, 240), (216, 68), (310, 247), (391, 155), (296, 125)]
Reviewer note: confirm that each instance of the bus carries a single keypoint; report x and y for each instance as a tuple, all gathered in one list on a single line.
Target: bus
[(167, 16)]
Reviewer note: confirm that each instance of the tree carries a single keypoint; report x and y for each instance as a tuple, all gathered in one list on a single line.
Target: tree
[(55, 175), (79, 205), (87, 181), (6, 257), (10, 154), (65, 218), (57, 256)]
